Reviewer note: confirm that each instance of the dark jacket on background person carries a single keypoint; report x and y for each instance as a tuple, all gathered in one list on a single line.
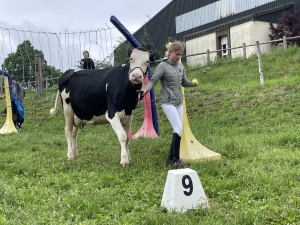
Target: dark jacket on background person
[(88, 64)]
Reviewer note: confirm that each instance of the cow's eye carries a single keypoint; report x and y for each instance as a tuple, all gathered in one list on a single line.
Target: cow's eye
[(148, 61), (131, 58)]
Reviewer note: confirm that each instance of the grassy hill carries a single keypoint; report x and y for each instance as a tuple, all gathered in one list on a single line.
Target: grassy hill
[(255, 128)]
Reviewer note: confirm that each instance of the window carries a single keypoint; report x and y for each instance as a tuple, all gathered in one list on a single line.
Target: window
[(223, 43)]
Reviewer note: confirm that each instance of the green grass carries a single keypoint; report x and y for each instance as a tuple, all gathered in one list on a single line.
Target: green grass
[(255, 128)]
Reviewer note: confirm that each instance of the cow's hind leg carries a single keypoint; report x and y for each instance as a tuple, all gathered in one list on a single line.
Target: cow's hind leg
[(122, 136), (69, 118), (74, 141)]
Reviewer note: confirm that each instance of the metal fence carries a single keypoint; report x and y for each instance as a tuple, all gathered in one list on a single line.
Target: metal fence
[(47, 83)]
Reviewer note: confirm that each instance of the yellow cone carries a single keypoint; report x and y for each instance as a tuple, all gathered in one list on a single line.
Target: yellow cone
[(190, 148), (9, 126)]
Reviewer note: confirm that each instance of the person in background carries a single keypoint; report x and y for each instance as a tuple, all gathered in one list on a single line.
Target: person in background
[(87, 63), (18, 93), (171, 73), (17, 89)]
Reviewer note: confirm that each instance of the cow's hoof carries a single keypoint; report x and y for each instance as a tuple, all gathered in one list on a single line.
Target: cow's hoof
[(70, 158), (124, 163)]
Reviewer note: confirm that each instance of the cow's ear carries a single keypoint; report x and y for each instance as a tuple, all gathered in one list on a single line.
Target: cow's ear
[(152, 56), (129, 51)]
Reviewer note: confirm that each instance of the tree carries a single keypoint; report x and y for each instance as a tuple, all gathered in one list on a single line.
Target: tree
[(120, 52), (105, 63), (146, 41), (288, 25), (21, 63)]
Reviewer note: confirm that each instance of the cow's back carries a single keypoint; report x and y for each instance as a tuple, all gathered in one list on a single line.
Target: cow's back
[(89, 90), (63, 81)]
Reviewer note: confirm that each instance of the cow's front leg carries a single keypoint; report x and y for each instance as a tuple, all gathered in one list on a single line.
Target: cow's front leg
[(118, 128), (127, 129)]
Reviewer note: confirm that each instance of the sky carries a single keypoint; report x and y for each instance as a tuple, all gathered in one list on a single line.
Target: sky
[(63, 29)]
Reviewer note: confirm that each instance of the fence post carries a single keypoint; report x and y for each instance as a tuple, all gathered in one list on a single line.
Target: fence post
[(38, 74), (244, 51), (1, 86), (284, 43), (259, 63), (207, 57), (46, 84)]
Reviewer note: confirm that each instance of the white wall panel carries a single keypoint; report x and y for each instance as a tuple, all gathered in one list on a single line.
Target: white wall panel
[(215, 11)]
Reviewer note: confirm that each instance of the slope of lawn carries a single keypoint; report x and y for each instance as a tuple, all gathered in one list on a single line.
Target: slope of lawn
[(255, 128)]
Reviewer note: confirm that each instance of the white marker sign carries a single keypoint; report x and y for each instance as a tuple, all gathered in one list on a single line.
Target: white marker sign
[(183, 191)]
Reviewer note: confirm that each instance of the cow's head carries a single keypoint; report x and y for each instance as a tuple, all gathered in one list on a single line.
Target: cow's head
[(139, 60)]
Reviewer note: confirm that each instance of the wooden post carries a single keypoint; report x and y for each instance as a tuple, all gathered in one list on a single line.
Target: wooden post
[(284, 43), (38, 74), (244, 51), (46, 84), (207, 57), (1, 86), (259, 63)]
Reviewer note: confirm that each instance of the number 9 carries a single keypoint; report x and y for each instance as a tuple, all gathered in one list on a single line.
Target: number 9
[(189, 185)]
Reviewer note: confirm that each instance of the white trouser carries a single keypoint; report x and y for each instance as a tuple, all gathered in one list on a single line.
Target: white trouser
[(175, 116)]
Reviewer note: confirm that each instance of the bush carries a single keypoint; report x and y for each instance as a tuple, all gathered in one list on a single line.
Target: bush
[(288, 25)]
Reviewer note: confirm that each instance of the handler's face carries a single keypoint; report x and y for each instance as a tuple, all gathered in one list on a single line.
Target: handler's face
[(175, 56)]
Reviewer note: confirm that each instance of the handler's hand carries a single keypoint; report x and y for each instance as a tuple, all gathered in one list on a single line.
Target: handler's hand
[(144, 90)]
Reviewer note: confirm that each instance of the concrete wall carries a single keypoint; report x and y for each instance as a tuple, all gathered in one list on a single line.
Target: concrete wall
[(199, 45), (247, 33)]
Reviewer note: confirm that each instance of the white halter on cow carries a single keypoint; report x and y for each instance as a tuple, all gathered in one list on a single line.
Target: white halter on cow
[(102, 96)]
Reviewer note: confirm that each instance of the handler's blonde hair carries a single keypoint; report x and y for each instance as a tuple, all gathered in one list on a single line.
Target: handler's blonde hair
[(174, 47)]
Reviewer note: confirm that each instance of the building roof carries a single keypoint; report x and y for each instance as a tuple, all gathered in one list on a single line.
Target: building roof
[(255, 16), (153, 17)]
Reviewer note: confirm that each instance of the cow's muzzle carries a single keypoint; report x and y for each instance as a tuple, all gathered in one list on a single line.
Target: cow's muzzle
[(137, 67)]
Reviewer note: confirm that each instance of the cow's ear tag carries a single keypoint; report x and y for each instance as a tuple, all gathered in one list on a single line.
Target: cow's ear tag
[(183, 191)]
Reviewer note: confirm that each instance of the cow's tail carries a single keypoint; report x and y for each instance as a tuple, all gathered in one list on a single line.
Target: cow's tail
[(54, 110)]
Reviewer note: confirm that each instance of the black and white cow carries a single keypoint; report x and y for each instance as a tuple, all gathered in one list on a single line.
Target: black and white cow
[(102, 96)]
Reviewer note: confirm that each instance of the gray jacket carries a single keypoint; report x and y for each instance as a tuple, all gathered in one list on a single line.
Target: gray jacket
[(18, 91), (172, 77)]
